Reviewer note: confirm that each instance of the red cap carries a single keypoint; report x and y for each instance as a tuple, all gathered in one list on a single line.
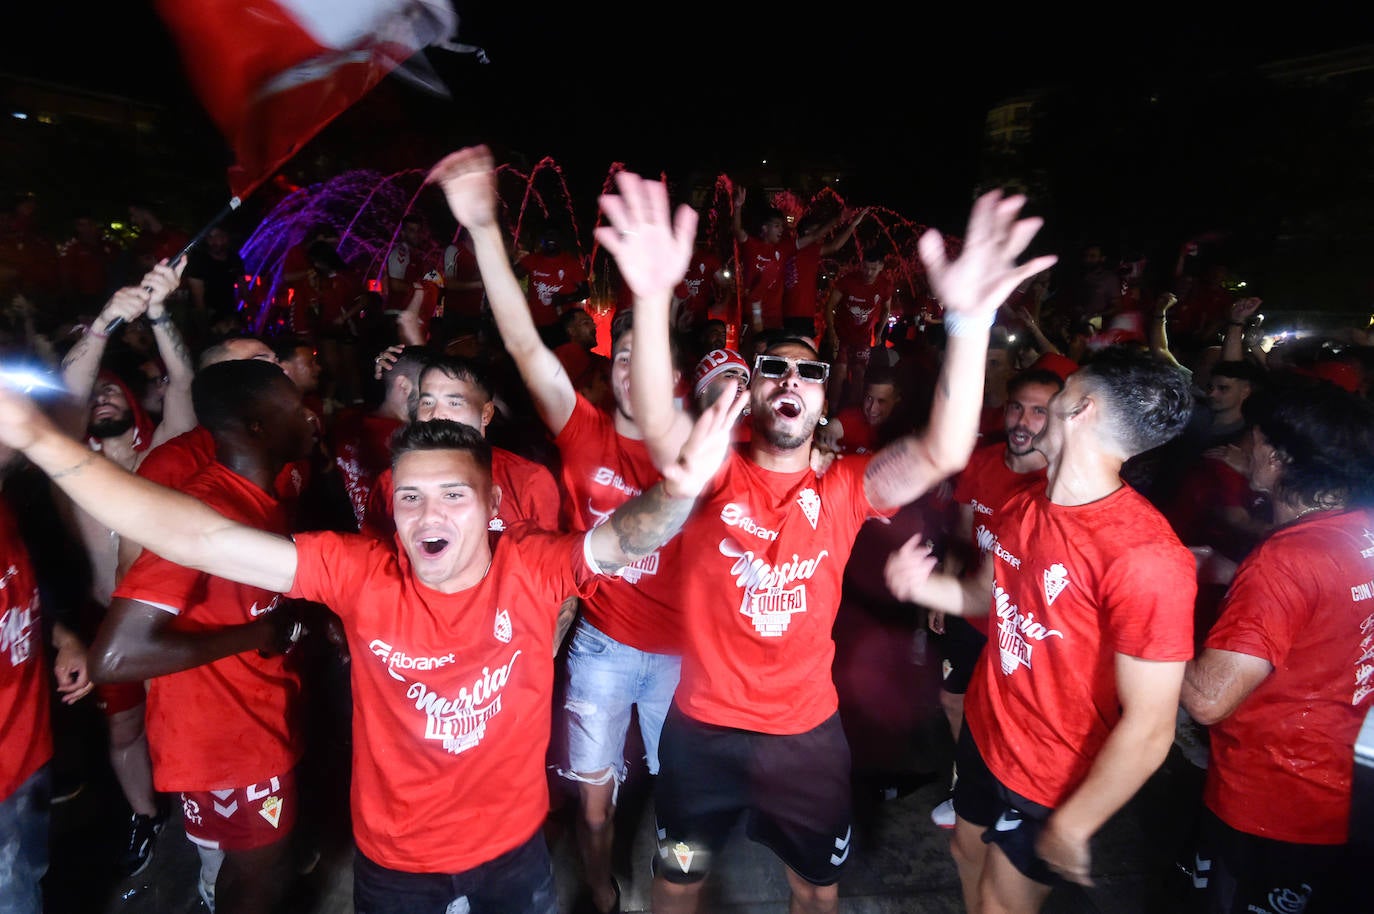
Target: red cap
[(713, 364), (1061, 365)]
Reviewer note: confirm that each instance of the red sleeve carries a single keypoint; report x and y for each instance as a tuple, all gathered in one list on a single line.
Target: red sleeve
[(1148, 599), (333, 568), (556, 560), (377, 520), (542, 502), (153, 579), (1265, 608)]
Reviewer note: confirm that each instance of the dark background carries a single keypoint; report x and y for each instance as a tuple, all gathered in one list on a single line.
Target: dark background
[(1149, 128)]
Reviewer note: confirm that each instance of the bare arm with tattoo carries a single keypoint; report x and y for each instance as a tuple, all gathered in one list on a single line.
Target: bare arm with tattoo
[(650, 519), (178, 415), (971, 288)]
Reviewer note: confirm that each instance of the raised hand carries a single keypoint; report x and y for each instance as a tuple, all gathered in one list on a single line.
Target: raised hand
[(705, 448), (385, 361), (1242, 309), (159, 282), (908, 569), (985, 272), (468, 179), (127, 304), (21, 422), (651, 249)]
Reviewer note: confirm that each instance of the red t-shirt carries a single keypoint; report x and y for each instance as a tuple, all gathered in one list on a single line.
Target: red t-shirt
[(528, 495), (698, 287), (601, 471), (799, 295), (1304, 601), (986, 484), (768, 552), (763, 265), (232, 722), (176, 461), (460, 265), (362, 450), (1073, 587), (85, 268), (860, 307), (25, 735), (859, 436), (451, 693), (550, 276)]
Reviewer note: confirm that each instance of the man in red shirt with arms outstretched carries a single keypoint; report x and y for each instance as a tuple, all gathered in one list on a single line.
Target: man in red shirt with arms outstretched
[(754, 726)]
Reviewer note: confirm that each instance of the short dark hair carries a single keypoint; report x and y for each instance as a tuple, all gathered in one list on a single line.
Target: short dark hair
[(441, 435), (1325, 435), (1248, 372), (460, 369), (229, 395), (1034, 376), (783, 338), (1148, 401), (621, 324), (880, 373), (566, 318), (284, 347)]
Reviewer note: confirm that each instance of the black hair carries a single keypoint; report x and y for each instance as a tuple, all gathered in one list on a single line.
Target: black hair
[(1148, 401), (1248, 372), (231, 395), (622, 323), (1034, 376), (412, 219), (284, 347), (324, 254), (1325, 436), (441, 435), (460, 369), (880, 373), (566, 318)]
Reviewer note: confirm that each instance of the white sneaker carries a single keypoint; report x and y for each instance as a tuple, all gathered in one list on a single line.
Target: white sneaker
[(943, 815)]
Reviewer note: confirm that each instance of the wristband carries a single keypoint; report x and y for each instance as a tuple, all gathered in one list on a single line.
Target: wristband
[(158, 321), (958, 324)]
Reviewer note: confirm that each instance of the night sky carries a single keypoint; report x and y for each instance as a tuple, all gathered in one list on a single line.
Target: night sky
[(897, 94)]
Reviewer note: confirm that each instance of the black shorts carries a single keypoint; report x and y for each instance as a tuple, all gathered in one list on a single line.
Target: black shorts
[(960, 647), (1235, 871), (1009, 820), (795, 790)]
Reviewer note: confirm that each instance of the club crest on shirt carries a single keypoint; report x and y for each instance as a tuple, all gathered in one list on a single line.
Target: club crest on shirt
[(271, 810), (1056, 579), (502, 630), (811, 505)]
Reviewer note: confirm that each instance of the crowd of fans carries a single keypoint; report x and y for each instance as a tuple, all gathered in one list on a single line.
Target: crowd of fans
[(1160, 519)]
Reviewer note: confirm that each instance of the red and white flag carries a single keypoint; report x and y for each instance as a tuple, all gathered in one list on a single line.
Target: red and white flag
[(273, 73)]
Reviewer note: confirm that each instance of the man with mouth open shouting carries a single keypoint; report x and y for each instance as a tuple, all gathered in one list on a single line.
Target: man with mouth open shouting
[(451, 635), (754, 725)]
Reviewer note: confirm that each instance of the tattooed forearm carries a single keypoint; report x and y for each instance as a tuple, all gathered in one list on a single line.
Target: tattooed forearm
[(641, 525), (567, 612), (170, 343)]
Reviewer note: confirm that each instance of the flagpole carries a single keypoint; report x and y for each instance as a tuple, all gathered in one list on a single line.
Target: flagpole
[(233, 204)]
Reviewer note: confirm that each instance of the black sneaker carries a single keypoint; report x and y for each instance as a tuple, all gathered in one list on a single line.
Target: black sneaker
[(143, 832)]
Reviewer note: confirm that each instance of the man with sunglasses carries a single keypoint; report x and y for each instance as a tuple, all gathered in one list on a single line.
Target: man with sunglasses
[(754, 725)]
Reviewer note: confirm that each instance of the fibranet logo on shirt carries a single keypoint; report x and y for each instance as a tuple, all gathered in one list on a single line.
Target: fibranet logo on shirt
[(767, 598), (400, 660), (1015, 631), (605, 476), (987, 542)]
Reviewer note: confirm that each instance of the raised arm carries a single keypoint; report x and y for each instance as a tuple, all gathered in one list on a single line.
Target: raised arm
[(1233, 344), (652, 248), (468, 180), (175, 526), (81, 365), (178, 415), (650, 519), (842, 238), (971, 288), (737, 217)]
